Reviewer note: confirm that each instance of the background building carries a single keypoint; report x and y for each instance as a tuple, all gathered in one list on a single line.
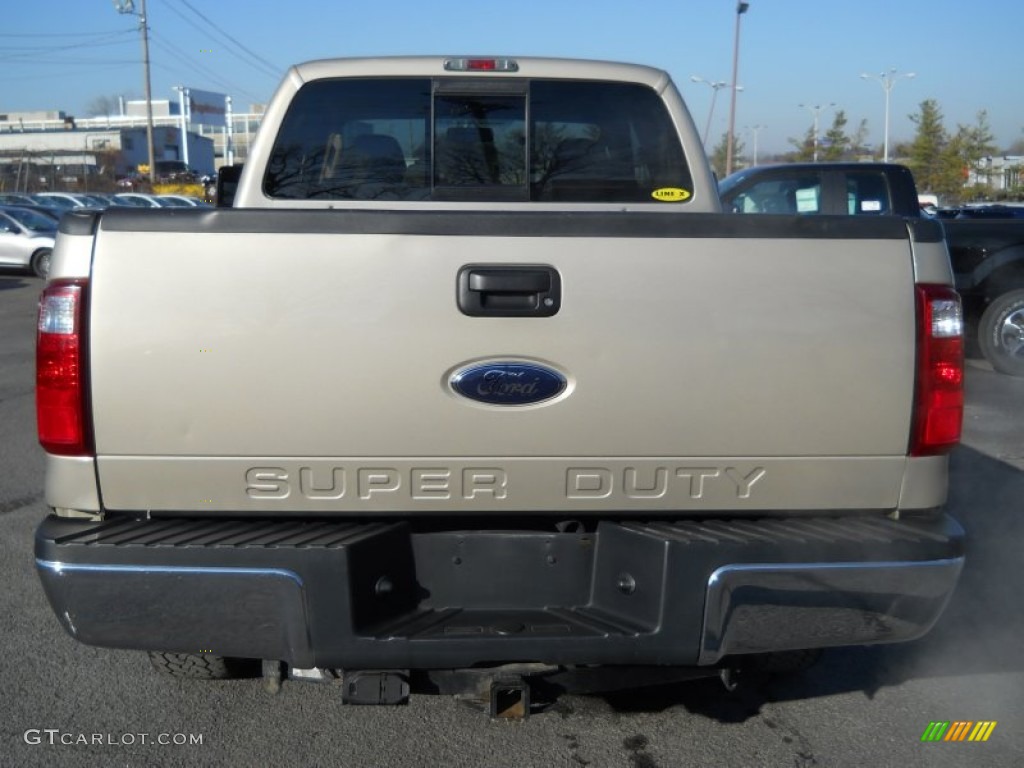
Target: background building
[(51, 150), (1000, 174)]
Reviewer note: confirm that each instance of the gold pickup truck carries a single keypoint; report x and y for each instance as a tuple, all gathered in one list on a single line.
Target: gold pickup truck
[(475, 374)]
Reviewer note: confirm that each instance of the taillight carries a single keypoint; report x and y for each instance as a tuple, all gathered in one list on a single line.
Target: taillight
[(939, 399), (60, 370)]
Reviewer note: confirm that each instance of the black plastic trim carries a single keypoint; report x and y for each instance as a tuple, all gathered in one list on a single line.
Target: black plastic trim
[(635, 224), (79, 222), (926, 230)]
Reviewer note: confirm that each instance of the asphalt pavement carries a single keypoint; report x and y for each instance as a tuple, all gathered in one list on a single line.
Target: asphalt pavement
[(66, 704)]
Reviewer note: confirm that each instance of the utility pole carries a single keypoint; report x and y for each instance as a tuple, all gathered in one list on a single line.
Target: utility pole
[(741, 8), (128, 7)]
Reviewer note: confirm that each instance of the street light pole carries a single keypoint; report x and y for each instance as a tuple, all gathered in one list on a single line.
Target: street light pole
[(741, 8), (183, 98), (816, 110), (755, 129), (128, 7), (716, 86), (887, 80)]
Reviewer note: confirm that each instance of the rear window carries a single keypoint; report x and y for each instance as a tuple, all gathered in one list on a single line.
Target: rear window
[(480, 140), (785, 195), (867, 194), (29, 219)]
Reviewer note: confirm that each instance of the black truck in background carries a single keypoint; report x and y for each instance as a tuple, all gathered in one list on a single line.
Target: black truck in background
[(987, 254)]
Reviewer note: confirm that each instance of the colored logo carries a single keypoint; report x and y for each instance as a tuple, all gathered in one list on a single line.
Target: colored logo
[(503, 383), (959, 730), (671, 194)]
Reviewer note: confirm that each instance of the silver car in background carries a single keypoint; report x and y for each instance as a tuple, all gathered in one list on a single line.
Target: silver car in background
[(26, 239), (64, 200), (181, 201), (138, 200)]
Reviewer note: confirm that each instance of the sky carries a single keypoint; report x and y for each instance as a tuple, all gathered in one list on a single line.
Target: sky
[(64, 54)]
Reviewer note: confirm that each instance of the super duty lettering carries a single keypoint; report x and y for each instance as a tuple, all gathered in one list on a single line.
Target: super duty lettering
[(596, 482), (367, 482)]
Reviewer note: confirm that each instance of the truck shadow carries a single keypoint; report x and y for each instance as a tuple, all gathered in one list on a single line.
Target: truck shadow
[(978, 633)]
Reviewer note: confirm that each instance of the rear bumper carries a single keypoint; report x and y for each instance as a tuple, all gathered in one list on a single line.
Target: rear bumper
[(378, 595)]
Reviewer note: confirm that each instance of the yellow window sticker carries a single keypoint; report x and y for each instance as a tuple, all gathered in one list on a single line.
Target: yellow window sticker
[(671, 194)]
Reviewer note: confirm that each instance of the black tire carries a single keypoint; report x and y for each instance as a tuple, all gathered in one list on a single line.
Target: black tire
[(40, 264), (1001, 333), (199, 666)]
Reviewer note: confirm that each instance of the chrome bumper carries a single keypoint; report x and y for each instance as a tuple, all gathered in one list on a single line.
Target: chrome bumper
[(381, 595), (759, 608)]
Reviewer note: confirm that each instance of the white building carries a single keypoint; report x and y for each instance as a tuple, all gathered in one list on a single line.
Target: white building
[(81, 152), (1000, 173), (33, 143)]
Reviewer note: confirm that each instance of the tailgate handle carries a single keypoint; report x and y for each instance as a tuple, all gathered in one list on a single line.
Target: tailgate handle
[(509, 281), (512, 290)]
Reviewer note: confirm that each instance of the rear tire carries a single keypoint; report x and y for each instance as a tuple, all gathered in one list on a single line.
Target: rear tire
[(40, 264), (1001, 333), (199, 666)]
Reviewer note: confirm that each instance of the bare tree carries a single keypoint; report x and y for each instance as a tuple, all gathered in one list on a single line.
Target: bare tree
[(103, 105)]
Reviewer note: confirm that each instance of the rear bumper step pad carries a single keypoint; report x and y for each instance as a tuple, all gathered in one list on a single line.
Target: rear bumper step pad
[(377, 595)]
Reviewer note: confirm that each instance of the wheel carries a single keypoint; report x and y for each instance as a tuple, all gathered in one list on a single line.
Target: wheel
[(1001, 333), (200, 666), (40, 264)]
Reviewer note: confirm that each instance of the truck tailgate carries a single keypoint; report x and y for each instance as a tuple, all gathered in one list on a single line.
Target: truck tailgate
[(300, 362)]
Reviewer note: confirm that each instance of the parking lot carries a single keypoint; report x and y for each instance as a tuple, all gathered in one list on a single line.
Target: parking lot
[(69, 704)]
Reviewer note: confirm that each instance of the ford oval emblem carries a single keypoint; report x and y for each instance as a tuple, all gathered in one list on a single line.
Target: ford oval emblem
[(501, 383)]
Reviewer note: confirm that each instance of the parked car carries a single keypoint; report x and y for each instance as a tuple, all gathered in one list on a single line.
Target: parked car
[(985, 242), (182, 201), (13, 198), (140, 199), (120, 201), (987, 211), (28, 201), (103, 200), (26, 239), (94, 199), (65, 200), (53, 214)]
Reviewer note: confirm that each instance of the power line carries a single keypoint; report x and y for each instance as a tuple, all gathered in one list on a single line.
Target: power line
[(185, 58), (274, 68), (31, 52), (265, 69), (80, 62), (64, 75), (59, 34), (181, 57)]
